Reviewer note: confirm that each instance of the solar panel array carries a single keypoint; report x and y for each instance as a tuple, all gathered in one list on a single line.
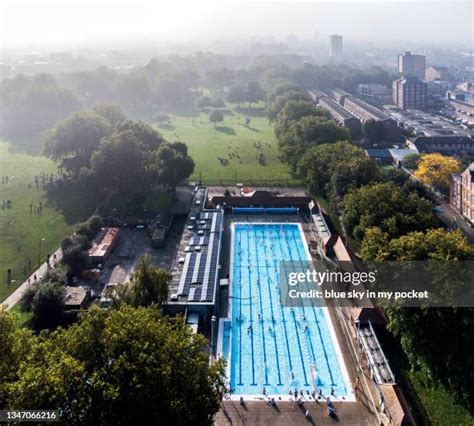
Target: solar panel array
[(199, 275)]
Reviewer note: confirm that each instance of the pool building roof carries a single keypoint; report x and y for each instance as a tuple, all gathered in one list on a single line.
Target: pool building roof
[(261, 199), (195, 271)]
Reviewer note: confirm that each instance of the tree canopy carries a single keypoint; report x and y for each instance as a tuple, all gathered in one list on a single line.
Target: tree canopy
[(306, 133), (148, 286), (170, 163), (119, 161), (72, 141), (422, 331), (387, 206), (332, 169), (125, 366), (435, 170), (216, 116)]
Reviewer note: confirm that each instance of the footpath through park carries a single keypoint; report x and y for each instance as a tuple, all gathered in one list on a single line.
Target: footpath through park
[(36, 276)]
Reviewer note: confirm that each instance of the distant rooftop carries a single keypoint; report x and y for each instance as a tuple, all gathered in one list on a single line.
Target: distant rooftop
[(422, 123)]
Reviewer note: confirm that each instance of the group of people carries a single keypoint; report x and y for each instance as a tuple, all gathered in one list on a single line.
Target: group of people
[(6, 204), (36, 209), (43, 178)]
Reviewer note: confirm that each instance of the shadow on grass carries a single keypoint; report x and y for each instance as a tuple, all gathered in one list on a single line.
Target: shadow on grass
[(251, 111), (226, 130), (253, 129), (73, 201)]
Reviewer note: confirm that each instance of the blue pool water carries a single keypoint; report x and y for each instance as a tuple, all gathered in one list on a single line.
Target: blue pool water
[(271, 346)]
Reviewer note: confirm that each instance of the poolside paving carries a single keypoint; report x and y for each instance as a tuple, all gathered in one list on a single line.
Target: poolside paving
[(289, 413)]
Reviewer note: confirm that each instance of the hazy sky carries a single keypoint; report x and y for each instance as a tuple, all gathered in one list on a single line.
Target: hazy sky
[(40, 23)]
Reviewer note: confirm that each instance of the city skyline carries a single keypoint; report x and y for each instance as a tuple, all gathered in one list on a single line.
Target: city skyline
[(72, 23)]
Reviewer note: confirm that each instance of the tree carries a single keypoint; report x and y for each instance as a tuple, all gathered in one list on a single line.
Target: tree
[(33, 109), (435, 170), (219, 78), (294, 111), (16, 345), (208, 102), (384, 205), (126, 366), (410, 161), (216, 117), (306, 133), (434, 244), (149, 138), (331, 169), (111, 113), (119, 162), (172, 91), (422, 331), (170, 164), (374, 131), (47, 305), (236, 95), (253, 92), (149, 285), (275, 106), (72, 141), (26, 301)]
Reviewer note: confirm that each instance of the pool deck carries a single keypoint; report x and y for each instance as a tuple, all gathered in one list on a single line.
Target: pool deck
[(290, 413)]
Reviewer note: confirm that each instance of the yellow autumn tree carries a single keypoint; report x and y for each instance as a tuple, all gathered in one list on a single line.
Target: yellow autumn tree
[(436, 169)]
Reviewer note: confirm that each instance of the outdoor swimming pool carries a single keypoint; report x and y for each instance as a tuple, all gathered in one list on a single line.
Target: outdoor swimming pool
[(268, 345)]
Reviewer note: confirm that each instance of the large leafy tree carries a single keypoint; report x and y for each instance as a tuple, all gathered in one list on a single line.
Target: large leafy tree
[(148, 137), (73, 141), (149, 286), (216, 116), (16, 344), (275, 105), (31, 107), (423, 331), (435, 170), (331, 169), (236, 94), (170, 164), (112, 113), (119, 162), (253, 92), (126, 366), (294, 111), (47, 305), (388, 207), (306, 133)]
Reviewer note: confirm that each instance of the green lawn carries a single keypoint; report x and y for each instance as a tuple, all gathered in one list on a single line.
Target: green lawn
[(231, 151), (20, 231)]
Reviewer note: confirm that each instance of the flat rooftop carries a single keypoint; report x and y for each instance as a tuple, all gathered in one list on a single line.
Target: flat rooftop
[(334, 106), (422, 123), (195, 269), (371, 110)]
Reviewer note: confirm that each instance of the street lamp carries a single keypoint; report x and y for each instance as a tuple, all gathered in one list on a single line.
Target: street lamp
[(39, 250), (213, 321)]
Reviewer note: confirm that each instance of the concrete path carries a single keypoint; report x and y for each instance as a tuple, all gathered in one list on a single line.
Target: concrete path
[(15, 297)]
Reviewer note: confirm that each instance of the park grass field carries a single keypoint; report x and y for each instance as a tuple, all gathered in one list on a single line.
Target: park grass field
[(230, 151), (20, 231)]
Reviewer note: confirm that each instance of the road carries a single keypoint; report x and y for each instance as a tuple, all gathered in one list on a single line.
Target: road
[(15, 297), (446, 214)]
